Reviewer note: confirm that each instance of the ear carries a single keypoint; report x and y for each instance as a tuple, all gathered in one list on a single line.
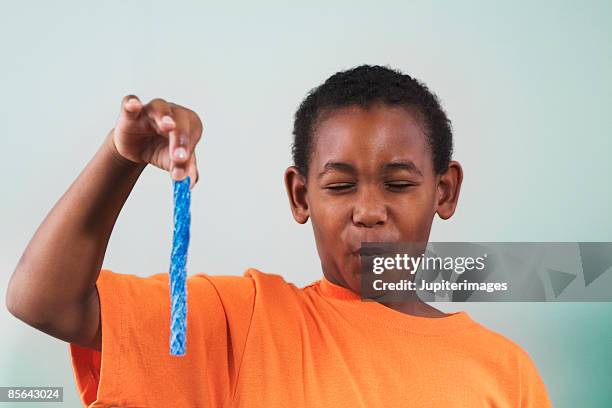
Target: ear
[(295, 184), (447, 194)]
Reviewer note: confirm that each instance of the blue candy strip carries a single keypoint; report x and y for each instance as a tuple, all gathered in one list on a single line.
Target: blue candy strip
[(178, 270)]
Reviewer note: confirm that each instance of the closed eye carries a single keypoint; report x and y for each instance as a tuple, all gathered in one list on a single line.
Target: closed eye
[(393, 186), (340, 187), (399, 185)]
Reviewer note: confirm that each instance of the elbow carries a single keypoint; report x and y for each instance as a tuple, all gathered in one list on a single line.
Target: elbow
[(17, 310), (22, 304), (12, 299), (27, 310), (61, 320)]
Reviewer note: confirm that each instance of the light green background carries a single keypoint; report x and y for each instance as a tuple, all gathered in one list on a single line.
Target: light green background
[(528, 86)]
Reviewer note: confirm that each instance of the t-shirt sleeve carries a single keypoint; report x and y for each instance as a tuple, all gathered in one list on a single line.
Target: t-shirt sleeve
[(533, 390), (135, 368)]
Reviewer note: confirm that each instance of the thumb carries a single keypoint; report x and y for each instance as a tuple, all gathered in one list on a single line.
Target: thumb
[(130, 107)]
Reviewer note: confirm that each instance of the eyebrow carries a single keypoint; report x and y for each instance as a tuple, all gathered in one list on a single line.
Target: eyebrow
[(348, 168), (403, 165)]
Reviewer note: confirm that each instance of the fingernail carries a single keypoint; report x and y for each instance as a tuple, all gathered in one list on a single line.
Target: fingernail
[(132, 101), (167, 120), (180, 153)]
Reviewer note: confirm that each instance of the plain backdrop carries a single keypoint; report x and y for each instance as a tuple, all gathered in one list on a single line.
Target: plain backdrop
[(527, 85)]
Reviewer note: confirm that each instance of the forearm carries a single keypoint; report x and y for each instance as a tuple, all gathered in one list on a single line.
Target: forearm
[(60, 265)]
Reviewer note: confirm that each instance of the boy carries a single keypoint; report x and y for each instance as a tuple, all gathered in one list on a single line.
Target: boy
[(372, 162)]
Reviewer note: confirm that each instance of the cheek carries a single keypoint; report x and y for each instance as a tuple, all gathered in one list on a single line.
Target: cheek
[(413, 213), (327, 211), (327, 220), (423, 199)]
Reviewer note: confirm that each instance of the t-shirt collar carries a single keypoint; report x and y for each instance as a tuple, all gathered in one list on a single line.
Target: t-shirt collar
[(386, 316)]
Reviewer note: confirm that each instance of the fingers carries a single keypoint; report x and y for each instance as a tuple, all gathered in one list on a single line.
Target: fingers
[(180, 146), (183, 139), (131, 107), (181, 126), (159, 113), (137, 118)]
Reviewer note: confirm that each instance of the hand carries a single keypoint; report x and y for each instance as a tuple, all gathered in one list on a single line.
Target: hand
[(161, 133)]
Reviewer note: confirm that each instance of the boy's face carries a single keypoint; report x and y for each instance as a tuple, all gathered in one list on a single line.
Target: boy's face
[(371, 179)]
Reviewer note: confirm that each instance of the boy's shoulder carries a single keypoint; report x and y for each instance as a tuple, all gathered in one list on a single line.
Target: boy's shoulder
[(252, 279), (270, 280)]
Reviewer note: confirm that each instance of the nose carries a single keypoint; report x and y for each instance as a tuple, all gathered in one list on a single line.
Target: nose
[(369, 210)]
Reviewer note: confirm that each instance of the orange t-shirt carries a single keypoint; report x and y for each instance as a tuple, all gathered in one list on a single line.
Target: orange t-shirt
[(258, 341)]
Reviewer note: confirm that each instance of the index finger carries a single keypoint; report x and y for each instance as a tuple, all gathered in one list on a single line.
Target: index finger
[(182, 142), (159, 112)]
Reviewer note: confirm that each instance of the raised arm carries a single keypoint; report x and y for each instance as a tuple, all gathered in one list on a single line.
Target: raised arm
[(53, 287)]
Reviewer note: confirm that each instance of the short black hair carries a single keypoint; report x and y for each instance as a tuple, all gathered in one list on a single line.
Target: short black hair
[(364, 86)]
